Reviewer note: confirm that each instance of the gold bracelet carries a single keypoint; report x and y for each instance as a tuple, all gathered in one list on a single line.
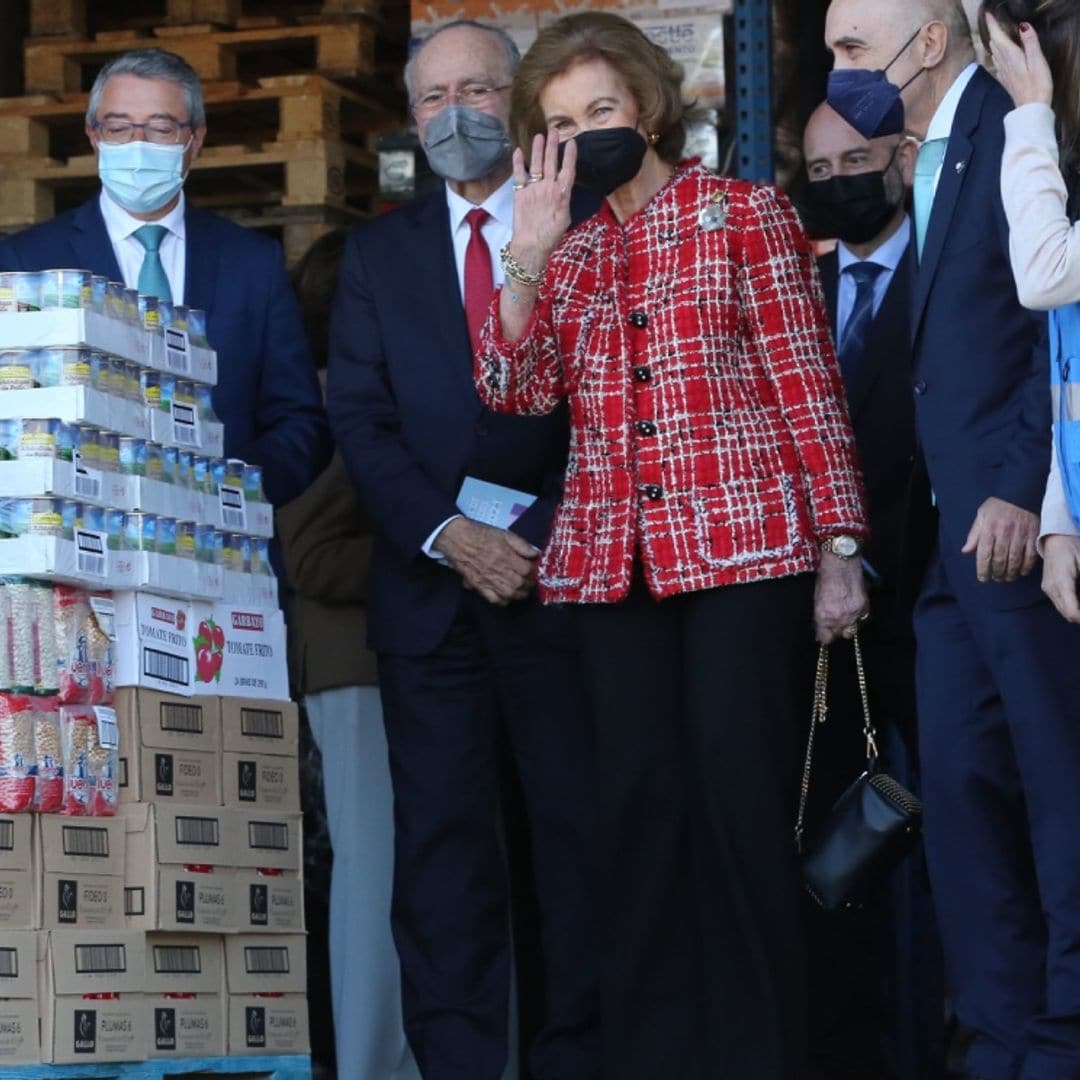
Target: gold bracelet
[(515, 270)]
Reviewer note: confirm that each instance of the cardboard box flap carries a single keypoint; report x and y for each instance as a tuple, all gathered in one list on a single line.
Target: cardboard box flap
[(81, 845), (97, 961), (184, 964), (266, 963), (18, 964), (15, 832)]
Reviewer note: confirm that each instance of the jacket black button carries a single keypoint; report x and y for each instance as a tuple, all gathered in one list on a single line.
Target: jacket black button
[(654, 491), (920, 388), (639, 319), (645, 427), (642, 374)]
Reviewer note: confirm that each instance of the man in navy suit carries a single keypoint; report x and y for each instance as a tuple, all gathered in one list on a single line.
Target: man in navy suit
[(464, 651), (998, 681), (146, 121)]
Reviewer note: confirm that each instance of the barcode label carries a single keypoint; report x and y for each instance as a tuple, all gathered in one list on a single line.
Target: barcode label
[(87, 481), (177, 959), (134, 900), (91, 959), (86, 840), (266, 960), (184, 718), (262, 723), (9, 964), (177, 356), (90, 553), (233, 510), (165, 666), (185, 425), (7, 835), (108, 737), (269, 835), (197, 830)]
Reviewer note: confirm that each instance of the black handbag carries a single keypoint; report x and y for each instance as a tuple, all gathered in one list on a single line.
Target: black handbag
[(870, 828)]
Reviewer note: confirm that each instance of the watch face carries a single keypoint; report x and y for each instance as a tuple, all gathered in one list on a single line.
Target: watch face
[(845, 546)]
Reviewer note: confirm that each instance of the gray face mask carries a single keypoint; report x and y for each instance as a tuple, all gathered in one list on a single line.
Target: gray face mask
[(465, 144)]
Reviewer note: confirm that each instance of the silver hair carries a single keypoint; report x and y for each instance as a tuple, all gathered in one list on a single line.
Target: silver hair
[(152, 64), (513, 54)]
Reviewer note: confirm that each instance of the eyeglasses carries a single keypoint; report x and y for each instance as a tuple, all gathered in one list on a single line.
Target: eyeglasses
[(160, 131), (474, 95)]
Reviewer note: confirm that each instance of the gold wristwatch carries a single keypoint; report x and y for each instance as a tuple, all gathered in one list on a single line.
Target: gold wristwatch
[(843, 546)]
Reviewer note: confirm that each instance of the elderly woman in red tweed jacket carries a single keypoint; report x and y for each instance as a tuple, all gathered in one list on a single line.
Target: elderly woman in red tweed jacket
[(711, 475)]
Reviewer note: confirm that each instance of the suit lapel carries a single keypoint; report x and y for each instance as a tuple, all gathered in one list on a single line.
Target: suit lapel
[(90, 241), (202, 250), (829, 265), (954, 171)]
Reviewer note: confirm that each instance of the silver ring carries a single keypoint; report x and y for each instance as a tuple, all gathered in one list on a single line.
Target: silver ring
[(517, 186)]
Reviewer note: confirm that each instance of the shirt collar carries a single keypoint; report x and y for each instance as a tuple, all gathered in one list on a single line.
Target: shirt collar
[(499, 204), (119, 224), (888, 254), (942, 124)]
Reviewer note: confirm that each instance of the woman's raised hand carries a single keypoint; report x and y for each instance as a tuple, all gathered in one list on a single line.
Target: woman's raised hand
[(1022, 69), (541, 200)]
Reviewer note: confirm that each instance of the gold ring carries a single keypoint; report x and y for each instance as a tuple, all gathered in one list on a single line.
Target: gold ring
[(517, 186), (535, 176)]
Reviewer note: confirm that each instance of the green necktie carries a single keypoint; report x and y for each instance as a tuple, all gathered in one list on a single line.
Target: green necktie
[(152, 278), (931, 155)]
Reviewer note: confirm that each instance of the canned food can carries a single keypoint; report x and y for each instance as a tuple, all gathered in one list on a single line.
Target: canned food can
[(204, 398), (140, 532), (99, 288), (180, 317), (65, 367), (14, 518), (9, 439), (46, 517), (260, 556), (38, 438), (185, 392), (91, 518), (168, 391), (149, 315), (28, 290), (111, 375), (185, 468), (217, 475), (115, 300), (205, 547), (115, 537), (185, 539), (166, 314), (67, 436), (234, 472), (61, 289), (166, 536), (69, 517), (150, 388), (131, 306), (155, 456), (8, 302), (17, 369), (87, 440), (131, 454), (169, 464), (219, 547), (196, 327), (230, 551), (109, 451), (253, 489), (132, 390)]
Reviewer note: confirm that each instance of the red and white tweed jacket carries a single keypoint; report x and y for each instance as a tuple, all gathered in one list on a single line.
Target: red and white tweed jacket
[(709, 431)]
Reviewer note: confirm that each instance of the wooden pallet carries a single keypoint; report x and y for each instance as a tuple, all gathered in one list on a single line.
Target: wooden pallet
[(291, 1067), (344, 49), (277, 109), (78, 18), (296, 228)]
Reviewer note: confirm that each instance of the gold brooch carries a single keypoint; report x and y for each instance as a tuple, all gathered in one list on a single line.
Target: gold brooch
[(714, 216)]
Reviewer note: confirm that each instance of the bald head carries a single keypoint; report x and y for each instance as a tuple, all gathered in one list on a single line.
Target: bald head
[(832, 147)]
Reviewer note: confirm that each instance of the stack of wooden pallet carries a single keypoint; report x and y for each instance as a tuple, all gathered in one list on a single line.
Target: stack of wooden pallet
[(295, 94)]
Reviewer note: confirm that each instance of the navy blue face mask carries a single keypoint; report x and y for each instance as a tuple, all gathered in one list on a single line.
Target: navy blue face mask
[(867, 100)]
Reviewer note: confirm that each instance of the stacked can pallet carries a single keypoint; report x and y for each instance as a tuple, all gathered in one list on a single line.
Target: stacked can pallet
[(294, 100)]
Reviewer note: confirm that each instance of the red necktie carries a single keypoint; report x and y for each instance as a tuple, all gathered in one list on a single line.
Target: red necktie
[(479, 283)]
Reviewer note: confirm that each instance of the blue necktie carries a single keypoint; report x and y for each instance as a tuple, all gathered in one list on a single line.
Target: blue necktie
[(931, 155), (856, 333), (152, 278)]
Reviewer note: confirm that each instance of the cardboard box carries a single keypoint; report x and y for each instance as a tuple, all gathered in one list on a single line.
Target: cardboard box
[(268, 839), (92, 1006), (269, 901), (18, 897), (245, 654), (170, 575), (241, 589), (78, 405), (182, 357), (79, 872), (259, 781), (76, 326), (185, 964), (256, 726), (19, 1041), (153, 642), (266, 964), (176, 879), (187, 1025), (268, 1025), (85, 561), (169, 747), (31, 477)]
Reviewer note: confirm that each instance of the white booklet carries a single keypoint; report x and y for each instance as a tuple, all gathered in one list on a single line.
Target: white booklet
[(492, 504)]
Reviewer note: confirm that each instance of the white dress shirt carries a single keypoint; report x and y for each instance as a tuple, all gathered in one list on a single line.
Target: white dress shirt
[(887, 255), (942, 123), (121, 226), (496, 231)]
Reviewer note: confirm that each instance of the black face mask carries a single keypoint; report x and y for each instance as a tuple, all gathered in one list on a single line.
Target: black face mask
[(607, 158), (854, 209)]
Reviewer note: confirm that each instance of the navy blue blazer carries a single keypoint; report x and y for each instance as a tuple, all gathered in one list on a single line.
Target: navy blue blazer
[(982, 400), (409, 424), (268, 393)]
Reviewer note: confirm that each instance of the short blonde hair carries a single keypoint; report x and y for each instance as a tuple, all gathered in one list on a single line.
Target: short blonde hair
[(653, 77)]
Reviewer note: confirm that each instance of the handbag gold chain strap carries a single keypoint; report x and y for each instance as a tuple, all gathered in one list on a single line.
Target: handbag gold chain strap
[(818, 714)]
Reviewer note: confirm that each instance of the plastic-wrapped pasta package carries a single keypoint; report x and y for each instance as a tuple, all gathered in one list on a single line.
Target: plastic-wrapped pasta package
[(16, 753), (84, 646), (5, 640), (45, 676), (91, 760), (49, 758), (23, 657)]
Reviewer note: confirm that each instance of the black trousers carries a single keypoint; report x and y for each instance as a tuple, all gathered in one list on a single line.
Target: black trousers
[(699, 703), (510, 673)]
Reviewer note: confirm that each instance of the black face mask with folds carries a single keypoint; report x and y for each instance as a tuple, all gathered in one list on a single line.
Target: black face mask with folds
[(607, 158), (854, 208)]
